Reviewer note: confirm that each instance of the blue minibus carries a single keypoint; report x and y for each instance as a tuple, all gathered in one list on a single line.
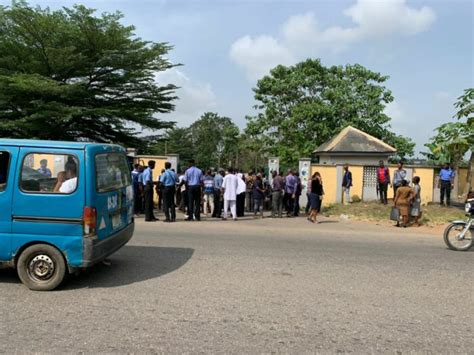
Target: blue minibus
[(64, 206)]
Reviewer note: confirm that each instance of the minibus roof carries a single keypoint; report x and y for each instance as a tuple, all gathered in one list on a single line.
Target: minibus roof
[(49, 144)]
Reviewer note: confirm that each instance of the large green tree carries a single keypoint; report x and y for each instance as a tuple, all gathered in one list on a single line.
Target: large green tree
[(176, 140), (68, 74), (301, 106), (212, 141), (454, 140)]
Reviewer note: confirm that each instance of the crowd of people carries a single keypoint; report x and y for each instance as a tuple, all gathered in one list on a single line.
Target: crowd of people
[(216, 193)]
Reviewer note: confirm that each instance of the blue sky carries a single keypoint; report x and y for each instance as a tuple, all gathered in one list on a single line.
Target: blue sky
[(426, 47)]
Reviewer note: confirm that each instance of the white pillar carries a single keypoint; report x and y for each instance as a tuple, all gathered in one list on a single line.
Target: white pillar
[(305, 171)]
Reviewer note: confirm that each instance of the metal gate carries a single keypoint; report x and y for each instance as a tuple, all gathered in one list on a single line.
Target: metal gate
[(369, 185)]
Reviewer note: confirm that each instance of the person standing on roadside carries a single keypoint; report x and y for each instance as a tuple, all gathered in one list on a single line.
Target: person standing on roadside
[(193, 179), (218, 180), (249, 181), (159, 191), (347, 184), (316, 197), (137, 171), (446, 183), (308, 194), (402, 201), (278, 187), (230, 186), (258, 196), (298, 190), (398, 176), (415, 210), (383, 181), (208, 193), (168, 181), (147, 179), (290, 193)]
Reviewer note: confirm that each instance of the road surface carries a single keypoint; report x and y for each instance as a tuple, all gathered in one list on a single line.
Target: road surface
[(254, 286)]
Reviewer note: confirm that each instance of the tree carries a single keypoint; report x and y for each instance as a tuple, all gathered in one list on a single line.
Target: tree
[(302, 106), (175, 141), (214, 140), (455, 139), (70, 75)]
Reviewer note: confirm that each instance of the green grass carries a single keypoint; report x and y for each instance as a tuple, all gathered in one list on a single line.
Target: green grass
[(433, 215)]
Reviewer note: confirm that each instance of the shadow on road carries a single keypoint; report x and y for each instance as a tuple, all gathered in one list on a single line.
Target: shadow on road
[(129, 265)]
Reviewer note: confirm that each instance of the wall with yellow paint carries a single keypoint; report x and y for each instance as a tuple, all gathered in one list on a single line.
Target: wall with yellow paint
[(159, 165), (357, 180), (426, 183), (329, 177)]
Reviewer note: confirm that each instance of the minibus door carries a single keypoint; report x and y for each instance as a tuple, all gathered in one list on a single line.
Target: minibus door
[(8, 159)]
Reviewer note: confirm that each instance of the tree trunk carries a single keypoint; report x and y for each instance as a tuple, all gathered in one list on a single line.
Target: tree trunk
[(470, 173)]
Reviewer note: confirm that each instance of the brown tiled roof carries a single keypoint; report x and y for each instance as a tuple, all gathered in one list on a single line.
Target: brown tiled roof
[(353, 140)]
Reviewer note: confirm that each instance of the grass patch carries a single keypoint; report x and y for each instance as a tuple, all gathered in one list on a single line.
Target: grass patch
[(433, 215)]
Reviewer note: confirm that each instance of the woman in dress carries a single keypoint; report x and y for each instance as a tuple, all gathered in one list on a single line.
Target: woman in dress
[(416, 205), (402, 201), (315, 197)]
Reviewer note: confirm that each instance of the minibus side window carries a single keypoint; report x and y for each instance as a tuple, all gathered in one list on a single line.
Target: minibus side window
[(49, 173), (112, 172), (4, 164)]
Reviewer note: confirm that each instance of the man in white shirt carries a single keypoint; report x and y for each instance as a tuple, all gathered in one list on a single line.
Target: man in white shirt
[(70, 184), (229, 191)]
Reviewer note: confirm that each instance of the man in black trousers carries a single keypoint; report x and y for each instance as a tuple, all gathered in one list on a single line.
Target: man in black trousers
[(193, 178), (168, 181), (148, 187)]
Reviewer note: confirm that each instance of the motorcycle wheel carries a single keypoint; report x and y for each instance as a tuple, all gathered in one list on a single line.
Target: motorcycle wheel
[(452, 237)]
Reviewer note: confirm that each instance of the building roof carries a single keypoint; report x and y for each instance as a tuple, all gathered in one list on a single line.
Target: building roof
[(353, 140)]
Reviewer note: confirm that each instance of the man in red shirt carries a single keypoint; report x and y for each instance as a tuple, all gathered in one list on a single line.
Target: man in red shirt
[(383, 180)]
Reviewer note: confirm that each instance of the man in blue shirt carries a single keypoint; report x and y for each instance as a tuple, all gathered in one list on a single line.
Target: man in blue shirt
[(208, 193), (43, 170), (168, 180), (193, 179), (446, 183), (290, 193), (137, 188), (218, 180), (147, 181)]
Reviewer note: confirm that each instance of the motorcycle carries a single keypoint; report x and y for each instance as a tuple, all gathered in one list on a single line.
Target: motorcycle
[(459, 235)]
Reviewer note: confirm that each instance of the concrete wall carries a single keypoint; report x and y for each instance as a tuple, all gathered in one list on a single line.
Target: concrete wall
[(329, 177), (332, 181), (426, 183)]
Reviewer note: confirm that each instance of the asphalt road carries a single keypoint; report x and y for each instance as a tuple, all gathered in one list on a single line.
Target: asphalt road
[(254, 286)]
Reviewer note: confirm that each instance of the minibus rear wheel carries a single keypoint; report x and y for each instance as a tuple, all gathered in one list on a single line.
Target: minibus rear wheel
[(41, 267)]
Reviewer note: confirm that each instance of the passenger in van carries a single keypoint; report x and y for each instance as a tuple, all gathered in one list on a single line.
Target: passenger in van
[(61, 179), (70, 184)]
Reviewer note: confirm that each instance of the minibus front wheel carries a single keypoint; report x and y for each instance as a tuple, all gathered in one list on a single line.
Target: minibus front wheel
[(41, 267)]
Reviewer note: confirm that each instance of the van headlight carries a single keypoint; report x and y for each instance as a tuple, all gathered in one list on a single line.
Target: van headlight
[(468, 207)]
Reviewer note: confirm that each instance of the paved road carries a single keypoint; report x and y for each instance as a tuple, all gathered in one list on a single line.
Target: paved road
[(254, 286)]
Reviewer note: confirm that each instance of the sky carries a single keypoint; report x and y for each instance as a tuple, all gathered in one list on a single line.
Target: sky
[(426, 47)]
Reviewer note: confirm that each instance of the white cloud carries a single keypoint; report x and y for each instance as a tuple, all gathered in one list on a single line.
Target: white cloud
[(257, 55), (300, 35), (194, 98)]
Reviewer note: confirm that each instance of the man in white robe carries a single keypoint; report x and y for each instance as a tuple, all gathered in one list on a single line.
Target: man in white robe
[(230, 185)]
